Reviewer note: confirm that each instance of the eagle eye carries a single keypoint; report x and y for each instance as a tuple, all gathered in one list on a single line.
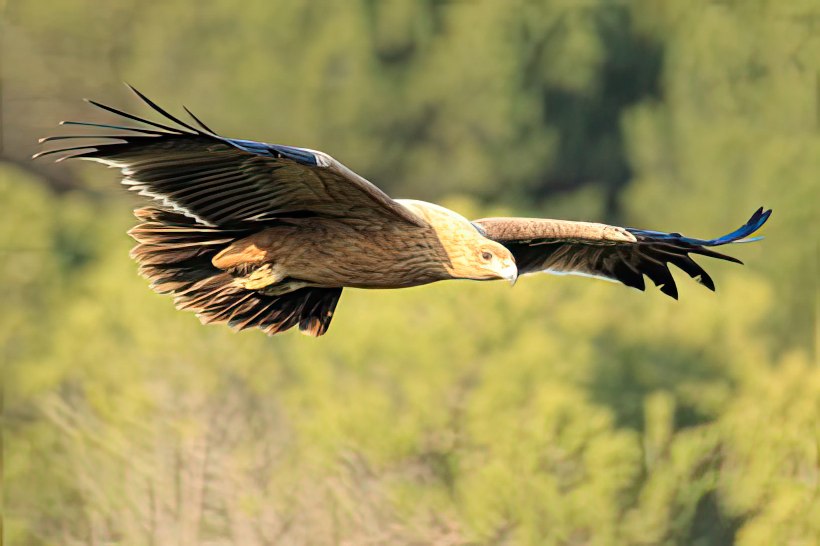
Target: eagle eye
[(486, 256)]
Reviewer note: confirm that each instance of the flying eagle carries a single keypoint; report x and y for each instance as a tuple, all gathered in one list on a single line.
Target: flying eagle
[(264, 235)]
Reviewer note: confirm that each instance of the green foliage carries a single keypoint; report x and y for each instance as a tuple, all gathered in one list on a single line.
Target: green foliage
[(565, 411)]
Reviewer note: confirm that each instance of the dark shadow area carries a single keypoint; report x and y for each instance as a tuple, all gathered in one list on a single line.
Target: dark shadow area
[(634, 371), (711, 525), (591, 147)]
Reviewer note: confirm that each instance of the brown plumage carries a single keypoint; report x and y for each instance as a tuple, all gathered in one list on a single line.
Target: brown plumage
[(263, 235)]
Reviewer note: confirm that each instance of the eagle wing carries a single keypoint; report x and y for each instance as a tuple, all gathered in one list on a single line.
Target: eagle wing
[(624, 255), (224, 182)]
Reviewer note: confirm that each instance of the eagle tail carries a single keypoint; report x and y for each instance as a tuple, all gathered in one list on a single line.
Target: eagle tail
[(175, 251)]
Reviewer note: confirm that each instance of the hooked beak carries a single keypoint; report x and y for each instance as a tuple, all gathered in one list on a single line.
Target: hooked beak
[(510, 273)]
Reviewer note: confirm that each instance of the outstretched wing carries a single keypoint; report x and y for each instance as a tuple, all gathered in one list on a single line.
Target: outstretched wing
[(610, 252), (221, 181)]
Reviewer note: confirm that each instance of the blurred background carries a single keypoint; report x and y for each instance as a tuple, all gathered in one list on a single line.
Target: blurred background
[(567, 411)]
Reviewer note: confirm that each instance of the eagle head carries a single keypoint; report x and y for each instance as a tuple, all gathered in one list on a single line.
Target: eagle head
[(489, 260), (470, 255)]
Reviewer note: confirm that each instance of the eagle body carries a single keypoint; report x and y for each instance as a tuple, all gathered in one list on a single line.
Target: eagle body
[(267, 236), (335, 252)]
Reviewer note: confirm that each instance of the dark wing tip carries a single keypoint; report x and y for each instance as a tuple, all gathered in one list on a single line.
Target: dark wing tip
[(130, 134), (199, 121), (671, 290), (159, 109), (90, 148), (119, 112), (741, 234), (705, 280)]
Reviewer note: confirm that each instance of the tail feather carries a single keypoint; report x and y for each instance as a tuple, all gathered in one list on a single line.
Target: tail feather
[(174, 252), (177, 277)]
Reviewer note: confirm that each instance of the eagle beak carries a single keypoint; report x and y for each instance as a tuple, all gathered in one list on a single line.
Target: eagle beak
[(510, 273)]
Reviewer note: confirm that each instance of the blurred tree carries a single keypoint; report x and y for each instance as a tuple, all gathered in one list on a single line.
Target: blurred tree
[(563, 412)]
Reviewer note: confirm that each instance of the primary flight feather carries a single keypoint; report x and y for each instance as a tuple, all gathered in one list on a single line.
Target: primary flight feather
[(264, 235)]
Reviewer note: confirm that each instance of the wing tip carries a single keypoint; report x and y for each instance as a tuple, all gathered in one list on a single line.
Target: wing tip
[(156, 130), (670, 289), (199, 121), (740, 235), (755, 222), (706, 281), (89, 149)]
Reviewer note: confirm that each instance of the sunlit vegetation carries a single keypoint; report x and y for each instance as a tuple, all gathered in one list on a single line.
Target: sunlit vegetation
[(563, 411)]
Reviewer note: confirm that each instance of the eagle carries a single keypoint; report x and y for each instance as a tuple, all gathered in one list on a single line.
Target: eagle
[(267, 236)]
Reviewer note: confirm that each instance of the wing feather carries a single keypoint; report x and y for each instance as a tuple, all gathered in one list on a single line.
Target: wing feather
[(625, 255), (221, 181)]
